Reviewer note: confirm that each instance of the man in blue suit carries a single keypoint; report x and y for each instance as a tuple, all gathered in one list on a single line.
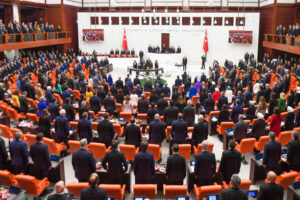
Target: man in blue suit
[(205, 166), (93, 192), (61, 126), (156, 131), (236, 111), (83, 162), (40, 156), (53, 109), (144, 165), (95, 103), (85, 128), (179, 130), (19, 154)]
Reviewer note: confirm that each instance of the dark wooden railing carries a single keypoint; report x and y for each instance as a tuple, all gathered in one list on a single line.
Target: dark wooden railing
[(282, 39)]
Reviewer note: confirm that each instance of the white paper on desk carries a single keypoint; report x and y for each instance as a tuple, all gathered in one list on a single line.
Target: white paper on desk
[(24, 124)]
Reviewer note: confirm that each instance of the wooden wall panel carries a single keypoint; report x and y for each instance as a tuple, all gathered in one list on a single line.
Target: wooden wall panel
[(32, 14), (285, 15), (70, 17), (53, 16), (266, 17)]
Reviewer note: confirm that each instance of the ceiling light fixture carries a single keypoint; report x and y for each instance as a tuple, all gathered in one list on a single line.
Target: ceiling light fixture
[(215, 22), (226, 21)]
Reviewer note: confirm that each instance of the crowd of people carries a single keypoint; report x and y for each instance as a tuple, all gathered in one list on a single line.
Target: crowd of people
[(265, 90), (292, 30), (156, 49), (30, 27)]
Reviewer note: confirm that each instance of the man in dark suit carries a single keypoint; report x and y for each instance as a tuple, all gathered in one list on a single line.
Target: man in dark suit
[(85, 128), (230, 162), (166, 90), (156, 131), (171, 113), (272, 154), (189, 113), (117, 164), (209, 104), (240, 129), (106, 131), (179, 130), (70, 114), (53, 109), (61, 126), (95, 103), (234, 192), (200, 131), (19, 154), (109, 104), (293, 153), (184, 63), (144, 169), (40, 156), (142, 105), (93, 192), (205, 166), (162, 104), (271, 190), (132, 134), (150, 113), (3, 154), (83, 162), (236, 111), (203, 61), (176, 167), (259, 127), (23, 103), (59, 192), (222, 100)]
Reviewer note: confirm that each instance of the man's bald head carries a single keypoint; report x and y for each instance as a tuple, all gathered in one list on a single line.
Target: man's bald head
[(205, 145), (156, 116), (200, 118), (59, 187), (271, 176), (94, 179), (180, 116)]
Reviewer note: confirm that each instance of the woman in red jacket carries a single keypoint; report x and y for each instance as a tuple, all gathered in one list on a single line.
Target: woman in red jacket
[(275, 124)]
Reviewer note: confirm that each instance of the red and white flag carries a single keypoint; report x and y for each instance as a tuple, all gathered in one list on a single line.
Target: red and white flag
[(205, 43), (124, 44)]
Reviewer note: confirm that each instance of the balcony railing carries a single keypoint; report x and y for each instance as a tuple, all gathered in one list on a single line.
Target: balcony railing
[(31, 37), (282, 39)]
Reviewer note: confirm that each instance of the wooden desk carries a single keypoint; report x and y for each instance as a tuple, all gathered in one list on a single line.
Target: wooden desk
[(34, 129), (5, 120), (293, 194), (226, 138), (257, 171), (137, 70)]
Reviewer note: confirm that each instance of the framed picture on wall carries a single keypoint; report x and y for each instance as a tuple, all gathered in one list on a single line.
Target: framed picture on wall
[(243, 37), (92, 34)]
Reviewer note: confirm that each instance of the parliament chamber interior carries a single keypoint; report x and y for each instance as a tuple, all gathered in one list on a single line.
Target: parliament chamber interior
[(149, 99)]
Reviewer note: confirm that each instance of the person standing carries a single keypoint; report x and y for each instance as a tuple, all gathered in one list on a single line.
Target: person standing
[(293, 153), (3, 154), (240, 129), (59, 192), (132, 134), (144, 168), (85, 128), (230, 162), (115, 160), (234, 192), (93, 192), (205, 166), (271, 190), (203, 61), (61, 127), (200, 131), (179, 130), (272, 154), (83, 162), (40, 156), (156, 131), (184, 63), (176, 167), (106, 131)]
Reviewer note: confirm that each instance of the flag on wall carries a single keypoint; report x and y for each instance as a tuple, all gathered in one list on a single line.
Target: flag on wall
[(205, 43), (124, 44)]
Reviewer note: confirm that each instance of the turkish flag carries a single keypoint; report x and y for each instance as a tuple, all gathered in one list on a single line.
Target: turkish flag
[(124, 44), (205, 43)]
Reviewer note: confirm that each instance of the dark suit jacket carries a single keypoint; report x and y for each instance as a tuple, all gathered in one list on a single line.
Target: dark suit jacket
[(53, 110), (95, 104), (176, 167), (200, 132), (170, 115), (258, 128), (161, 106), (105, 130), (272, 153), (109, 104), (61, 126), (93, 193), (143, 106), (18, 153), (289, 121), (69, 111), (222, 100), (236, 110), (205, 166), (57, 197), (83, 163), (240, 130), (293, 154), (144, 166), (189, 115), (3, 154), (156, 131), (179, 130), (132, 135), (233, 194), (114, 159), (150, 114), (209, 104), (85, 129), (40, 156), (23, 104), (271, 191), (230, 163)]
